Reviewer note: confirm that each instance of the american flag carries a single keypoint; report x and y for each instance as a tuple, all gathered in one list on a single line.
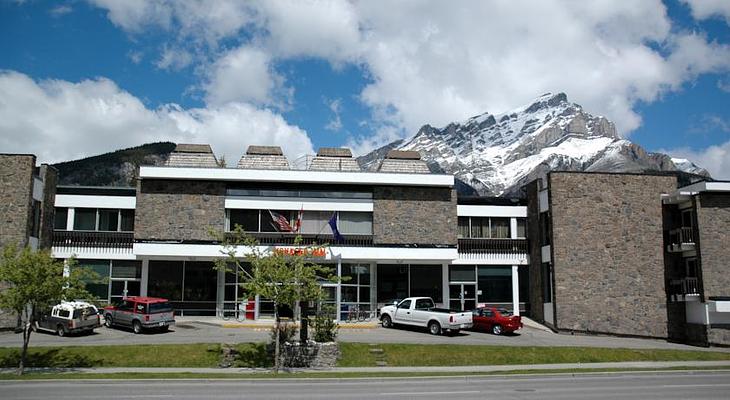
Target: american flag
[(280, 222)]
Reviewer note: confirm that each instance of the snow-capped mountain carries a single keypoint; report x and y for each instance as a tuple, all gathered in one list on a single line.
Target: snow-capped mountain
[(497, 154)]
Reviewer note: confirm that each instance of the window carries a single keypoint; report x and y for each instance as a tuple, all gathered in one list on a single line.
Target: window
[(424, 304), (355, 223), (108, 220), (464, 227), (127, 217), (103, 220), (267, 220), (545, 229), (405, 304), (495, 283), (36, 226), (355, 286), (60, 218), (247, 219), (426, 282), (64, 313), (98, 283), (462, 273), (479, 227), (316, 222), (547, 284), (85, 219), (165, 279), (521, 228)]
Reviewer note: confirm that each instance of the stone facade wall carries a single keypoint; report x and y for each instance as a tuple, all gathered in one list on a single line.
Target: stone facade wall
[(533, 232), (713, 224), (414, 215), (718, 336), (608, 252), (48, 210), (179, 210), (16, 195)]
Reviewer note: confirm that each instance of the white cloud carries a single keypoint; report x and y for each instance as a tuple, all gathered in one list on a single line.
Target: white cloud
[(715, 159), (174, 59), (135, 56), (436, 62), (244, 74), (703, 9), (59, 120), (335, 124), (61, 10), (723, 85)]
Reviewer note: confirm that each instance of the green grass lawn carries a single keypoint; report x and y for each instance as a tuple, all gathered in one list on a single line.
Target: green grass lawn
[(162, 355), (358, 355), (353, 355)]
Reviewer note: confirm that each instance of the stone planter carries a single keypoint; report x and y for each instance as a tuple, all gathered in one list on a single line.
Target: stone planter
[(309, 355)]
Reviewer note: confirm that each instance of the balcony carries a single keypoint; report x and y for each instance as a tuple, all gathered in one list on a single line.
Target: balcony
[(91, 241), (493, 249), (685, 289), (287, 239), (681, 240)]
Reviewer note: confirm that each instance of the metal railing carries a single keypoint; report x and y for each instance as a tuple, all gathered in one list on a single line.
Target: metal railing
[(681, 235), (84, 239), (684, 286), (492, 246), (284, 239)]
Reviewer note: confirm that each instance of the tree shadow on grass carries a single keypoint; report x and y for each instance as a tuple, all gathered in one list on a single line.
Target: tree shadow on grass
[(253, 355), (50, 358)]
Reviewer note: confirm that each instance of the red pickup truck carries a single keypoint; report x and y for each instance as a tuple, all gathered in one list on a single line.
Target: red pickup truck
[(495, 320), (140, 313)]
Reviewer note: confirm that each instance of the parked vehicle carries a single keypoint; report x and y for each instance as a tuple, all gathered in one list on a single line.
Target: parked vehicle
[(68, 317), (140, 313), (496, 320), (421, 311)]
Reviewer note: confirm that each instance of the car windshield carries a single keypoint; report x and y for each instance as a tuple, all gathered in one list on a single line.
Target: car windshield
[(86, 311), (159, 307)]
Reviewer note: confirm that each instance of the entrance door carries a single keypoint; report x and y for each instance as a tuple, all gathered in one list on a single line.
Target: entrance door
[(121, 289), (463, 296)]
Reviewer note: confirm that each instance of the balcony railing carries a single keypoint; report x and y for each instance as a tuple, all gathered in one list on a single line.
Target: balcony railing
[(493, 246), (285, 239), (93, 240), (681, 239), (679, 289)]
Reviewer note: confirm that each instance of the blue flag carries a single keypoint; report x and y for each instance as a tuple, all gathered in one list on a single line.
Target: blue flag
[(335, 231)]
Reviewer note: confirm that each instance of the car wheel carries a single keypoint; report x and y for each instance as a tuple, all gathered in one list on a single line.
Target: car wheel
[(108, 321), (137, 327), (434, 328), (387, 322), (165, 328), (497, 329), (60, 330)]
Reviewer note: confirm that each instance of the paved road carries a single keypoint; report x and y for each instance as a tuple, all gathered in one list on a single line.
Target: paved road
[(197, 332), (665, 386)]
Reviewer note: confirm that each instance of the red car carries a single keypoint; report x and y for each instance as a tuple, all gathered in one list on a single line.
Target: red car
[(495, 320), (140, 313)]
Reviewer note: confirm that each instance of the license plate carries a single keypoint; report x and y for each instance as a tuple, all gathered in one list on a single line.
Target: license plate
[(463, 325)]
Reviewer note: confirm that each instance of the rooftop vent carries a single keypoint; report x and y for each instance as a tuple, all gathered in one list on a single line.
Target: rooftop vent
[(192, 155), (263, 157), (334, 159), (408, 162)]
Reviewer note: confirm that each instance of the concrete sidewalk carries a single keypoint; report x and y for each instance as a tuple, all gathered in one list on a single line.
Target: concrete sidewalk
[(386, 370), (264, 323)]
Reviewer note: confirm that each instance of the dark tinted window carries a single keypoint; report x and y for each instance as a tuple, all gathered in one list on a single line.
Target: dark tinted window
[(85, 219), (109, 220), (424, 304), (247, 219), (405, 304), (64, 313), (159, 308), (60, 218), (426, 281), (127, 224)]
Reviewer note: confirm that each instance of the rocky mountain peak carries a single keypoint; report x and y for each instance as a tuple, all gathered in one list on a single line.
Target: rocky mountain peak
[(497, 154)]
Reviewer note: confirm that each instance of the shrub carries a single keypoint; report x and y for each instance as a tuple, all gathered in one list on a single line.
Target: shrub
[(287, 331), (325, 327)]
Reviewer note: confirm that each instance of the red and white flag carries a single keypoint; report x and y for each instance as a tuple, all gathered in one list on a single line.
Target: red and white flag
[(280, 222), (298, 222)]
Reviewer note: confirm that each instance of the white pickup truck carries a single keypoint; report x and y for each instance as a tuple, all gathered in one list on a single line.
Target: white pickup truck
[(421, 311)]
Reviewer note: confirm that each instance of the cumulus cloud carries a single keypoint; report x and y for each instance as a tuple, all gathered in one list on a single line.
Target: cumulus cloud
[(715, 159), (703, 9), (244, 74), (173, 59), (436, 62), (60, 120)]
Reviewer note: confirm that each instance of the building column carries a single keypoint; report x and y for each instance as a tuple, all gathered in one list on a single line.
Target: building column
[(70, 219), (445, 284), (515, 290), (144, 279), (220, 293), (339, 289)]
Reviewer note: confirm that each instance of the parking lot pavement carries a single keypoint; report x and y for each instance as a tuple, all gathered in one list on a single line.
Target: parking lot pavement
[(207, 332)]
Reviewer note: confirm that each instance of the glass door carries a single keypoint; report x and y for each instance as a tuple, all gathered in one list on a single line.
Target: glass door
[(462, 296)]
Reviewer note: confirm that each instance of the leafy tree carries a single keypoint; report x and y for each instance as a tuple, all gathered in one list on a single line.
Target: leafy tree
[(282, 277), (35, 283)]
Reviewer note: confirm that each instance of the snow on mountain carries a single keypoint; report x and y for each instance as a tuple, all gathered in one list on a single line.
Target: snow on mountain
[(497, 154)]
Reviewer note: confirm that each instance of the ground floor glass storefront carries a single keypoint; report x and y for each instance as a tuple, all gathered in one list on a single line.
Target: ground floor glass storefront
[(471, 285), (113, 280)]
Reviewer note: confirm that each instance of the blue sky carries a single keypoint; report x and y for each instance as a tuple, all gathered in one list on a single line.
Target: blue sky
[(84, 77)]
